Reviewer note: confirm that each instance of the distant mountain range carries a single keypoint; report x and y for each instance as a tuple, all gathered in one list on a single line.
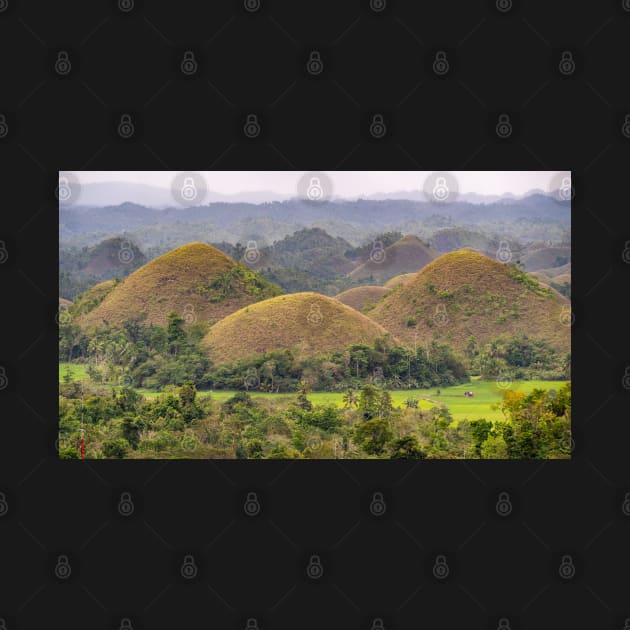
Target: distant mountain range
[(103, 194), (128, 216)]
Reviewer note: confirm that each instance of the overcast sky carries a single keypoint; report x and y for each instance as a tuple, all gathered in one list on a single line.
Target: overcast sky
[(346, 183)]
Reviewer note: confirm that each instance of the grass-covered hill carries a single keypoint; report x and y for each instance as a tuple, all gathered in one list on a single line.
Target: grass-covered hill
[(401, 279), (360, 297), (90, 299), (308, 323), (465, 294), (196, 281), (309, 249), (453, 238), (537, 257), (111, 258), (407, 255)]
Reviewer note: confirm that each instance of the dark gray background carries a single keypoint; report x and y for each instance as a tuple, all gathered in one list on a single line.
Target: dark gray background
[(374, 62)]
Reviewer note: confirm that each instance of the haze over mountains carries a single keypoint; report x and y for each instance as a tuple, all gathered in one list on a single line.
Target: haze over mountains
[(355, 220), (102, 194)]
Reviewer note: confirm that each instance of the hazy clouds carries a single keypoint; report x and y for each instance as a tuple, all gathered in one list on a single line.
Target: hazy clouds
[(350, 184)]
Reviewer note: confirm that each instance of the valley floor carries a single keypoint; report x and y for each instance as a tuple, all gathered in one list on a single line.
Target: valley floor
[(486, 395)]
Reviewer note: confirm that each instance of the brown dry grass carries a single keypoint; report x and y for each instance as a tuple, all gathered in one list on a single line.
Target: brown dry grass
[(463, 294), (403, 278), (360, 297), (309, 323), (170, 283), (407, 255)]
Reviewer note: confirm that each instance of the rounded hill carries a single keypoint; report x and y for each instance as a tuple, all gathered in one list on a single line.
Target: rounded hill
[(197, 281), (308, 323), (90, 299), (403, 278), (360, 297), (465, 294), (409, 254)]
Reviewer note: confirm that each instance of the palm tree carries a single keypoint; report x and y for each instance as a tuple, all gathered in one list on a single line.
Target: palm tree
[(350, 398)]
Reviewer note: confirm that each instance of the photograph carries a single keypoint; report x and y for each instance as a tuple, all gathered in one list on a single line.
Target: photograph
[(315, 315)]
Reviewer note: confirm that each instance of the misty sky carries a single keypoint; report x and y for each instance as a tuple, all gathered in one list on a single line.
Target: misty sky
[(346, 183)]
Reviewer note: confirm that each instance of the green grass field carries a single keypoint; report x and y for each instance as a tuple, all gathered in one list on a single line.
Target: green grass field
[(487, 393)]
